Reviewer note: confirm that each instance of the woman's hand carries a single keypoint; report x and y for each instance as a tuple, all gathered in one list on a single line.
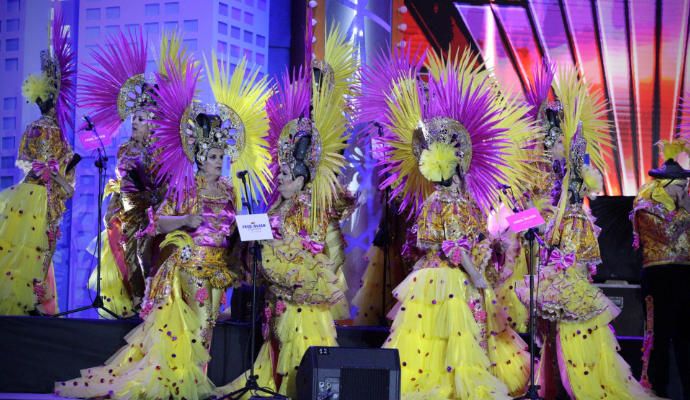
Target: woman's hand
[(479, 282), (66, 186), (193, 221)]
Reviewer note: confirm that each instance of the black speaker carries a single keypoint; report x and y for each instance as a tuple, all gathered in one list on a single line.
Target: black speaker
[(619, 260), (341, 373), (628, 298)]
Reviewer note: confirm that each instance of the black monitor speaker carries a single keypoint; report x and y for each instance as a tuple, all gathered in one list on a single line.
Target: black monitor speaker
[(341, 373)]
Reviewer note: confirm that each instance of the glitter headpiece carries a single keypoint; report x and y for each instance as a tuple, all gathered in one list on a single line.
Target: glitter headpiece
[(460, 109)]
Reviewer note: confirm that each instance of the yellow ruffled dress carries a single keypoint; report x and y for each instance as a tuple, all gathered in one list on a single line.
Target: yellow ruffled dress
[(167, 354), (304, 293), (453, 339), (586, 346), (114, 291), (30, 216)]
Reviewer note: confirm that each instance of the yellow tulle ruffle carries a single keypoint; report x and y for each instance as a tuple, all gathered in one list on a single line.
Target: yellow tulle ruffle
[(335, 248), (368, 297), (591, 367), (517, 313), (164, 358), (439, 340), (23, 249), (296, 329), (113, 291), (298, 276)]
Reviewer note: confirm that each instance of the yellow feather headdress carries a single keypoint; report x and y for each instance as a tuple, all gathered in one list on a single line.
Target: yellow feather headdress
[(244, 93)]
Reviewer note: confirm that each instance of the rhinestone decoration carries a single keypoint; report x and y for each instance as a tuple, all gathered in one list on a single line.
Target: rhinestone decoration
[(443, 130), (133, 96), (229, 135)]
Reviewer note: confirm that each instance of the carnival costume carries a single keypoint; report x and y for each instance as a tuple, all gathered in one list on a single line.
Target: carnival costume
[(300, 266), (662, 230), (31, 211), (575, 315), (454, 343), (115, 90), (166, 355)]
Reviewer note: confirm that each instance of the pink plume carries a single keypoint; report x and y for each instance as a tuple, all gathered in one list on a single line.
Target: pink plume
[(118, 60), (173, 95)]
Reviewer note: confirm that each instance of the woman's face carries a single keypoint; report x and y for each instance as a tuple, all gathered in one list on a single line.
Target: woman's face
[(287, 186), (212, 167), (140, 126)]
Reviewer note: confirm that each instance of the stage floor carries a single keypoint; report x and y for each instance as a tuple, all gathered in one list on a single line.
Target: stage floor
[(37, 351)]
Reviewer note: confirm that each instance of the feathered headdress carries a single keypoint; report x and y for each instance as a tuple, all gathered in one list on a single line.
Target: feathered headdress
[(58, 71), (332, 100), (585, 133), (462, 110), (539, 87), (175, 134), (245, 95), (115, 87), (378, 79)]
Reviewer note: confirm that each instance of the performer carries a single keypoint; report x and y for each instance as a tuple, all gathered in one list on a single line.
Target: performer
[(167, 353), (31, 212), (305, 292), (577, 339), (449, 150), (116, 90), (661, 218)]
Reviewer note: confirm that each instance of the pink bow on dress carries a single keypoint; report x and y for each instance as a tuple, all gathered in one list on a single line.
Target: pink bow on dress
[(44, 170), (453, 249), (562, 262)]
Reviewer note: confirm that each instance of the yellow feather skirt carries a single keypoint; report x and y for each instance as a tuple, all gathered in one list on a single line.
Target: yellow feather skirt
[(164, 358), (115, 296), (440, 341), (24, 248)]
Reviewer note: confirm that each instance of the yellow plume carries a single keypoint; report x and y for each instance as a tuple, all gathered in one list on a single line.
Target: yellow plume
[(178, 239), (37, 86), (330, 105), (171, 48), (245, 94), (438, 162), (672, 149), (582, 104)]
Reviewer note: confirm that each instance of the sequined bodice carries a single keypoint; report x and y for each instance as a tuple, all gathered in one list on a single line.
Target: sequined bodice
[(664, 235), (449, 216)]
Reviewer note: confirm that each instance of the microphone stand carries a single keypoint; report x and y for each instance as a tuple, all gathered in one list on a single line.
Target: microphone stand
[(386, 245), (251, 385), (102, 165), (533, 389), (531, 236)]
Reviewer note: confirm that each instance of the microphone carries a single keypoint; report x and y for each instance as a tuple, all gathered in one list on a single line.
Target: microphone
[(89, 123), (242, 174)]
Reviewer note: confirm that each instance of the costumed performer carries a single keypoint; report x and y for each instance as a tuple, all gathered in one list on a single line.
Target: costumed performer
[(305, 293), (451, 144), (31, 211)]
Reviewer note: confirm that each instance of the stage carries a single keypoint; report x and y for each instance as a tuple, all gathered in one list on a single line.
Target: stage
[(40, 350)]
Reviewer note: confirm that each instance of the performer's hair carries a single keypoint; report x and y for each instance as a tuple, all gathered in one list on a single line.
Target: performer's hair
[(45, 105), (301, 154)]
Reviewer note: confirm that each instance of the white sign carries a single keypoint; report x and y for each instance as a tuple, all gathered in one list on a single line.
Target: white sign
[(254, 227)]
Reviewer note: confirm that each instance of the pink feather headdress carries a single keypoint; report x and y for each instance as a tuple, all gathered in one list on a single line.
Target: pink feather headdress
[(115, 87)]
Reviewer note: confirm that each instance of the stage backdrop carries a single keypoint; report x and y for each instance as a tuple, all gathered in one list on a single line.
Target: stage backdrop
[(634, 51)]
